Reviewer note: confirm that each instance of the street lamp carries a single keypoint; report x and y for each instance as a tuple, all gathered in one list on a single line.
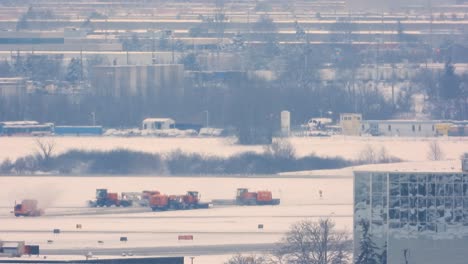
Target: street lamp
[(93, 115), (207, 117)]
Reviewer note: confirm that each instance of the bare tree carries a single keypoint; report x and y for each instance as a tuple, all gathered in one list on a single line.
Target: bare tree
[(281, 148), (6, 166), (372, 155), (435, 152), (306, 243), (368, 155), (316, 243), (45, 151), (251, 259)]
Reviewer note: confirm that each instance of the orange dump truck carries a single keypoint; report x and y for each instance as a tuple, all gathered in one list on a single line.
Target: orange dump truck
[(244, 197), (27, 207), (191, 200)]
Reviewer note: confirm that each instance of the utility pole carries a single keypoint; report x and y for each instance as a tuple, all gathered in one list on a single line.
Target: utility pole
[(93, 115), (153, 59), (207, 118), (81, 66)]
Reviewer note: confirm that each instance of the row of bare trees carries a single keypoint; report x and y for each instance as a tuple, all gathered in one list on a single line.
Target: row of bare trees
[(306, 242)]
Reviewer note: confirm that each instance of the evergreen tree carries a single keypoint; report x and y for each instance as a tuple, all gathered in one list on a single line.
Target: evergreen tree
[(368, 248), (74, 71), (5, 69), (238, 42), (449, 84), (190, 62)]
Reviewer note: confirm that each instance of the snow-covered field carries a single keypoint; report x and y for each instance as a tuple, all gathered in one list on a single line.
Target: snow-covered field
[(411, 149), (64, 197), (215, 226)]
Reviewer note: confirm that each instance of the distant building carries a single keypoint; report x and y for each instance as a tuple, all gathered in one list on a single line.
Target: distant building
[(285, 123), (350, 124), (145, 81), (417, 212), (12, 87), (13, 92), (158, 123), (10, 128), (405, 128), (395, 5), (353, 125)]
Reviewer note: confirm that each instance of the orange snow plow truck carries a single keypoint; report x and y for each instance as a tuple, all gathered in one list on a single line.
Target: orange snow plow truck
[(191, 200), (244, 197), (27, 207)]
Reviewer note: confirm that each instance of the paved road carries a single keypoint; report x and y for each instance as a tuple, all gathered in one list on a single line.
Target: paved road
[(168, 251)]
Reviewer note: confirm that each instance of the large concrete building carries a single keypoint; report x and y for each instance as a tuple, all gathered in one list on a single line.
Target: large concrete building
[(146, 81), (394, 5), (12, 87), (417, 212)]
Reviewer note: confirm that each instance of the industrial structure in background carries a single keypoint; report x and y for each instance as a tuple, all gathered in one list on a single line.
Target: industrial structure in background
[(151, 82), (27, 207), (285, 123), (352, 124)]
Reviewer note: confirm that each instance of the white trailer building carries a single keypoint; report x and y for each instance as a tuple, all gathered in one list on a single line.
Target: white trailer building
[(150, 124), (404, 128)]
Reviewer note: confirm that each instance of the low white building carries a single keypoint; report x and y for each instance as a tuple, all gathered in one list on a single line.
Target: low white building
[(404, 128), (158, 124)]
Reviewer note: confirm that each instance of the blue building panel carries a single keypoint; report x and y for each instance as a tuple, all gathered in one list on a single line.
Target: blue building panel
[(78, 130)]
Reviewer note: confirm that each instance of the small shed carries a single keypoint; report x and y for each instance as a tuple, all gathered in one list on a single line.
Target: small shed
[(350, 124), (158, 123)]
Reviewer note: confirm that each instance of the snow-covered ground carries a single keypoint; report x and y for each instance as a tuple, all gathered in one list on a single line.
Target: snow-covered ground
[(228, 225), (410, 149), (64, 197)]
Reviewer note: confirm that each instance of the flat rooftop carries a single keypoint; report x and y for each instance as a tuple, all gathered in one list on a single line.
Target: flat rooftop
[(446, 166)]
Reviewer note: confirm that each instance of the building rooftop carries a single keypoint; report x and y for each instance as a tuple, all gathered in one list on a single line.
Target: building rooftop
[(158, 120), (448, 166)]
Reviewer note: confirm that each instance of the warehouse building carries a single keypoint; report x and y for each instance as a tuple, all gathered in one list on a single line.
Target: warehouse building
[(148, 81)]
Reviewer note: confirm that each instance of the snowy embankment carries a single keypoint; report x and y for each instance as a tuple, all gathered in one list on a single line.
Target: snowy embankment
[(409, 149)]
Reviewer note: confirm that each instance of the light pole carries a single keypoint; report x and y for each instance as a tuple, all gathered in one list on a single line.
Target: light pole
[(207, 118), (191, 260), (93, 115)]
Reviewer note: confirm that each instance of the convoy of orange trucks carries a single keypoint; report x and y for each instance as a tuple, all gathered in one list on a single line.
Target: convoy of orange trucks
[(156, 201)]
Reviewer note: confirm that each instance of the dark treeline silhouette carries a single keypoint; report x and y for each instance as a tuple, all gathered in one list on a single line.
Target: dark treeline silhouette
[(127, 162)]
